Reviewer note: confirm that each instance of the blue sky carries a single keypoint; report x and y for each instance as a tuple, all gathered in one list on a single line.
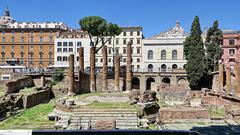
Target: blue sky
[(153, 15)]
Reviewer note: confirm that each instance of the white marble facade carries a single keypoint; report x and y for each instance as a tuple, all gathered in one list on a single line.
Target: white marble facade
[(164, 52)]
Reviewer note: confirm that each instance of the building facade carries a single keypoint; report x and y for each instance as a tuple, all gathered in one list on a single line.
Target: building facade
[(29, 44), (231, 47), (69, 42), (164, 52)]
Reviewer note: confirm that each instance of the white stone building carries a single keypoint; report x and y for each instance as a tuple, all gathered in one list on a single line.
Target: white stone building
[(164, 52), (69, 42)]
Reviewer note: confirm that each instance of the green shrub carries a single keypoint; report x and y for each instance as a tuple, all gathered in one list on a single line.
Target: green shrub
[(57, 75)]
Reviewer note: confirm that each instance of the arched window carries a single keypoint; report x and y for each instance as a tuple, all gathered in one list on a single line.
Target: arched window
[(163, 68), (163, 54), (150, 54), (150, 68), (174, 54), (184, 66), (174, 66)]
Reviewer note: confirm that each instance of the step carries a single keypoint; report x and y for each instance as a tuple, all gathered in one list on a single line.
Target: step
[(97, 117)]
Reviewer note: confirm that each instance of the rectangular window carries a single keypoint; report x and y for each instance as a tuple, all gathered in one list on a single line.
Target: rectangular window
[(3, 39), (109, 60), (109, 50), (138, 59), (109, 41), (59, 58), (22, 39), (22, 58), (64, 44), (231, 51), (138, 66), (50, 48), (12, 49), (31, 39), (50, 55), (117, 50), (131, 33), (138, 41), (96, 59), (13, 39), (64, 58), (117, 41), (59, 44), (124, 50), (70, 49), (131, 41), (138, 33), (124, 59), (3, 48), (77, 58), (232, 41), (22, 48), (79, 44), (70, 44), (64, 49), (59, 49), (5, 77), (138, 50), (124, 33), (124, 41)]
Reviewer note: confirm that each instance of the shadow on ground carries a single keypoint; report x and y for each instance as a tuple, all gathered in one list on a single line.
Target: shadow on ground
[(218, 130)]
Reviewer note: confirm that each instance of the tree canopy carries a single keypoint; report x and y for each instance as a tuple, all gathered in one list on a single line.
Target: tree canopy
[(99, 29), (194, 52)]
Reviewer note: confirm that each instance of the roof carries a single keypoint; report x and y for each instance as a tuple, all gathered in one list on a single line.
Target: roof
[(176, 32)]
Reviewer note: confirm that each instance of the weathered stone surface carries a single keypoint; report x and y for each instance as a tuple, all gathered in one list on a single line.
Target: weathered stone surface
[(16, 85), (228, 80), (134, 96), (92, 70), (237, 79), (221, 78), (81, 67), (129, 67), (117, 72), (104, 69), (105, 125), (148, 96), (71, 75)]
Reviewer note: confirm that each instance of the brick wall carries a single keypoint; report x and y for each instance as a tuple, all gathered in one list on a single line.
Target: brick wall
[(16, 85)]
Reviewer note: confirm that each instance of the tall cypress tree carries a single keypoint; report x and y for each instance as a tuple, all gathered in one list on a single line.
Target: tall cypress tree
[(194, 52), (213, 43)]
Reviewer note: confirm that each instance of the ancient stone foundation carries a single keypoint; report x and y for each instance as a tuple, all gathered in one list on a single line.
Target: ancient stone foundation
[(81, 67)]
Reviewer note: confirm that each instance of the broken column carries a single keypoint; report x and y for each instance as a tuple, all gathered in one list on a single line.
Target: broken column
[(129, 67), (221, 78), (92, 70), (228, 79), (81, 65), (71, 75), (104, 69), (117, 72)]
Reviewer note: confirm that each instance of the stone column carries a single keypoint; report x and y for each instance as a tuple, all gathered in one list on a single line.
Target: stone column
[(81, 59), (117, 72), (221, 78), (129, 67), (43, 81), (104, 69), (81, 66), (71, 75), (92, 70), (237, 75), (228, 79)]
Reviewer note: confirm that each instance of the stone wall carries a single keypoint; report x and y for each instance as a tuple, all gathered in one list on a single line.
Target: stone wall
[(3, 109), (84, 85), (16, 85), (184, 113), (39, 97), (111, 83)]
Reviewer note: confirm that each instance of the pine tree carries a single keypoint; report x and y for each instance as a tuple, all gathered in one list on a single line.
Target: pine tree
[(194, 52), (213, 43)]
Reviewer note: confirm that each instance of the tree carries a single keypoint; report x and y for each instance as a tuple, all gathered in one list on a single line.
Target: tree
[(57, 74), (99, 29), (194, 52), (213, 43)]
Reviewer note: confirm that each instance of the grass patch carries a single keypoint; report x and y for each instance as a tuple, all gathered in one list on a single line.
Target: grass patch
[(153, 127), (102, 105), (28, 91), (217, 112), (33, 118)]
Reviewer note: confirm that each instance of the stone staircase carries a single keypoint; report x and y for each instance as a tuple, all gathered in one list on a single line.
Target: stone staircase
[(84, 119)]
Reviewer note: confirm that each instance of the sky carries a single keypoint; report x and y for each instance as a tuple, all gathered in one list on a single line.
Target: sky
[(154, 16)]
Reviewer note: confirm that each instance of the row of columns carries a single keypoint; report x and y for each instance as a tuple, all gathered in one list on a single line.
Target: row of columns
[(104, 70), (229, 84)]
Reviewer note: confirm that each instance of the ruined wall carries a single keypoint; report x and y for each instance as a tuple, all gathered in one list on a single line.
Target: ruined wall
[(181, 113), (111, 83), (3, 109), (84, 85), (39, 97), (16, 85)]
